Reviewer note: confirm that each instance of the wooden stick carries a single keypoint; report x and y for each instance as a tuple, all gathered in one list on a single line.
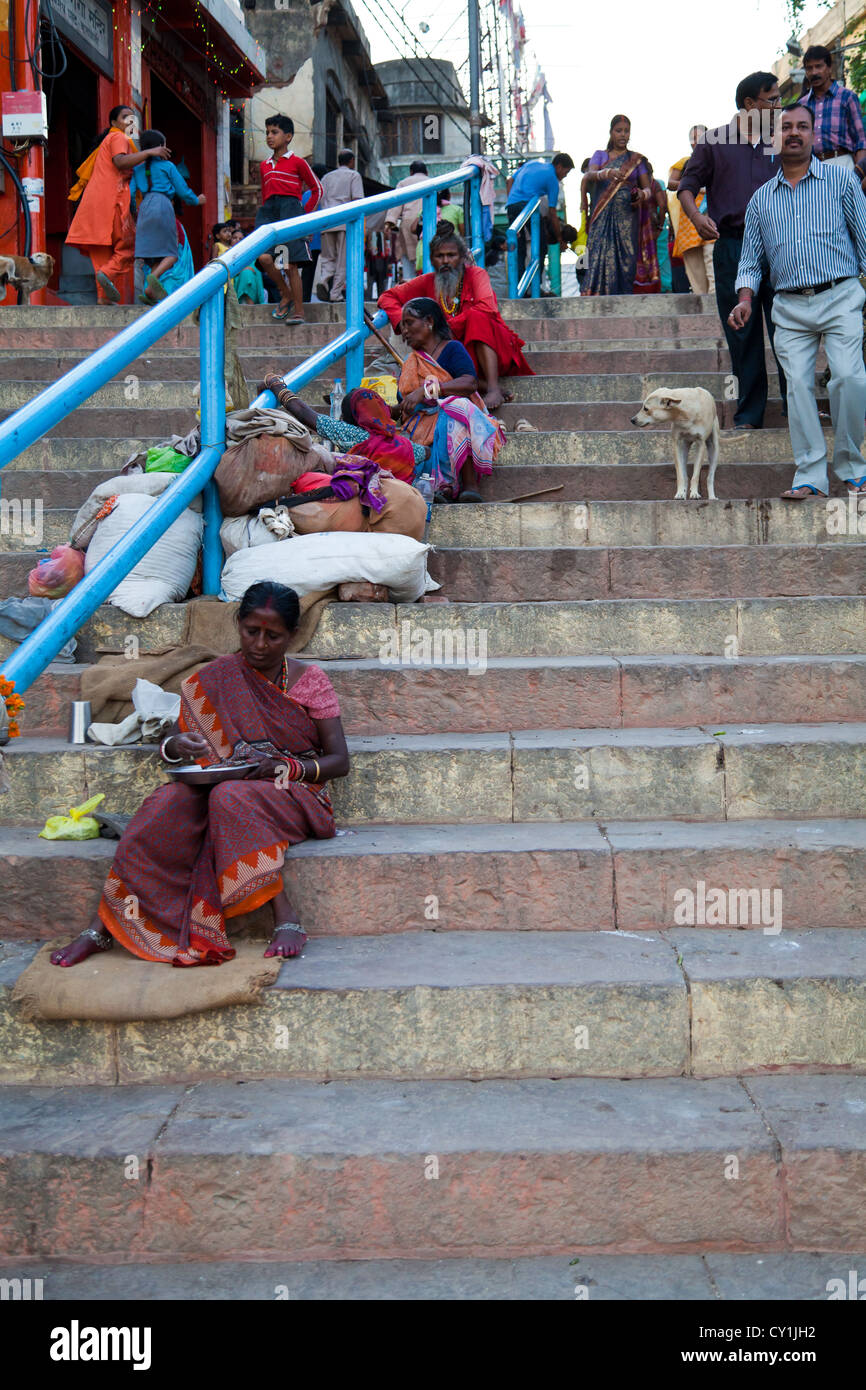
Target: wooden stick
[(376, 334), (525, 496)]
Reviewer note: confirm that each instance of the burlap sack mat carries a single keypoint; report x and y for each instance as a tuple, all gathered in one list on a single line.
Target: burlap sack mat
[(117, 987)]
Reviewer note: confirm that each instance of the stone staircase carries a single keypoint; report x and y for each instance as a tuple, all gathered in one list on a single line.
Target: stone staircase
[(508, 1041)]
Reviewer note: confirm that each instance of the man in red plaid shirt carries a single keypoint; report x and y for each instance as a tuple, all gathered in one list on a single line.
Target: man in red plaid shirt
[(839, 134), (284, 177)]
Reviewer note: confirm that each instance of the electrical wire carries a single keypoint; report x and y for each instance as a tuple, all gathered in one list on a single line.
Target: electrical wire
[(435, 92), (22, 198)]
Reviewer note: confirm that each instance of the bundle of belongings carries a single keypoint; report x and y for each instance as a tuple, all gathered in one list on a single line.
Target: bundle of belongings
[(277, 488)]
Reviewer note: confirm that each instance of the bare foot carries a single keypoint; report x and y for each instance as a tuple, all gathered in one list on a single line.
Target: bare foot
[(88, 943), (287, 941), (496, 397)]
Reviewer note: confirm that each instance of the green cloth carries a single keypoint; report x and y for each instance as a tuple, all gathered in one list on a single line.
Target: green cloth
[(448, 212), (250, 285)]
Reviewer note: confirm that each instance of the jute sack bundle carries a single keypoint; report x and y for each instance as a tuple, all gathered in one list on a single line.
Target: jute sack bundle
[(404, 513), (271, 452)]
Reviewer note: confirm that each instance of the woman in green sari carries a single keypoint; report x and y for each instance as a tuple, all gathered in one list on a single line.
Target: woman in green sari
[(621, 183)]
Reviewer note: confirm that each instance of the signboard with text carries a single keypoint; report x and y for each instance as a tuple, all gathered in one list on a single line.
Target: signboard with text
[(89, 24)]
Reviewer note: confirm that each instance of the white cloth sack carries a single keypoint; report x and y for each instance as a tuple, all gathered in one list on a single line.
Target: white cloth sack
[(150, 484), (165, 573), (154, 712), (327, 558), (241, 532)]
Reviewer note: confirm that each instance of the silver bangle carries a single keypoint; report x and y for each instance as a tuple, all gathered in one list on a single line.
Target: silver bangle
[(164, 755)]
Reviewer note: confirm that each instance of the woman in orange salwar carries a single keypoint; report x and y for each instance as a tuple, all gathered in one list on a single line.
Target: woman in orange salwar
[(102, 227), (194, 856)]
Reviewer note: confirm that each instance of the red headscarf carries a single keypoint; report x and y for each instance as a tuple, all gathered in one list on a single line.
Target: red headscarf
[(386, 445)]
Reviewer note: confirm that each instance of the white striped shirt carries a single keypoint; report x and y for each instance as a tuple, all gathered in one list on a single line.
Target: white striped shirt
[(805, 235)]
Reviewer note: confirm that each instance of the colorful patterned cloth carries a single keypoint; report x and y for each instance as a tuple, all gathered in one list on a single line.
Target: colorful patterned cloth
[(192, 857), (612, 240)]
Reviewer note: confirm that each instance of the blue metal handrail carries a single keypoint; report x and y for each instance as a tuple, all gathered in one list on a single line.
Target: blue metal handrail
[(531, 278), (204, 292)]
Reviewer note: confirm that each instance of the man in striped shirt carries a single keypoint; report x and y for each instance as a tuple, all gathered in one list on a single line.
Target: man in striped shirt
[(839, 132), (808, 225)]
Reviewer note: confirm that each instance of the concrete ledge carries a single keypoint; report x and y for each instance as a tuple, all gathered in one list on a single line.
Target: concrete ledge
[(524, 1167), (481, 1005), (767, 1276)]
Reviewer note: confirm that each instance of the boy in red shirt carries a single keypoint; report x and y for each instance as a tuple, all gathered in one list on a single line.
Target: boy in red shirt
[(284, 177)]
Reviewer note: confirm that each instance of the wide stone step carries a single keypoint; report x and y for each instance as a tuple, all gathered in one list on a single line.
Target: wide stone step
[(169, 394), (628, 481), (777, 770), (825, 626), (539, 876), (608, 415), (634, 572), (515, 1167), (77, 465), (467, 692), (488, 1004), (665, 522), (767, 1276)]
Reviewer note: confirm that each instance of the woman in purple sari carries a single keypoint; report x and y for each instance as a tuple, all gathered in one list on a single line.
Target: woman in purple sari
[(621, 185)]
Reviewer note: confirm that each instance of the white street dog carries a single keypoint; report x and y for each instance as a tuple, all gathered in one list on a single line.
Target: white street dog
[(693, 420)]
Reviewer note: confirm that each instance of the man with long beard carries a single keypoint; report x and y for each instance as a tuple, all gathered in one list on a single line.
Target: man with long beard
[(469, 304)]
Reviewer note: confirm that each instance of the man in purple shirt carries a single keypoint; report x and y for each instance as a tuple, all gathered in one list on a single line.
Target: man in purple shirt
[(730, 162), (839, 133)]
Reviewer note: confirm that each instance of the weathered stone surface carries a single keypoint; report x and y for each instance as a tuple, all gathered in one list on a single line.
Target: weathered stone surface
[(795, 770), (617, 773), (821, 1125), (608, 627), (819, 867), (588, 1165), (30, 1050), (64, 1160), (681, 689), (475, 1005), (416, 777), (762, 1001)]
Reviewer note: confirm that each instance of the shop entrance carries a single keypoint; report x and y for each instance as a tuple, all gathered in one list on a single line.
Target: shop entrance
[(73, 126), (183, 135)]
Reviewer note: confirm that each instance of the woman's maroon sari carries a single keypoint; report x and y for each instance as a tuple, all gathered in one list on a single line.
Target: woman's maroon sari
[(193, 856)]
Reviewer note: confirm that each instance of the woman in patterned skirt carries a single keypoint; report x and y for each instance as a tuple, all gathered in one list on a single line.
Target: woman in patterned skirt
[(194, 856)]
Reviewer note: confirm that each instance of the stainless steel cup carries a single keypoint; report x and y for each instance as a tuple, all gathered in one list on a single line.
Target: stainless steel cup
[(79, 721)]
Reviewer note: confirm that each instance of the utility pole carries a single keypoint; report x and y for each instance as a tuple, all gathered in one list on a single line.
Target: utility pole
[(474, 77), (499, 76)]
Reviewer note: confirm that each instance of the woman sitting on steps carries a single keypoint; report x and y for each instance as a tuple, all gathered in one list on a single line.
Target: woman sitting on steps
[(194, 856)]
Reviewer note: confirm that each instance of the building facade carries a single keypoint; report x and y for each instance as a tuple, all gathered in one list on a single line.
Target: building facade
[(427, 116), (179, 68)]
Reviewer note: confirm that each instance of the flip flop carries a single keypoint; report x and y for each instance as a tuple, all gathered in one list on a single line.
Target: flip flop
[(154, 290), (800, 492), (296, 318), (856, 484), (108, 287), (281, 313)]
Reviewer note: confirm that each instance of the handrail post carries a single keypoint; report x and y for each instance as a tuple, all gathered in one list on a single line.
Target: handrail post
[(535, 253), (476, 221), (213, 429), (511, 261), (355, 300), (429, 222)]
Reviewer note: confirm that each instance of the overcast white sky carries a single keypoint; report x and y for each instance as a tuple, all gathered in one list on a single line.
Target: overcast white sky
[(665, 65)]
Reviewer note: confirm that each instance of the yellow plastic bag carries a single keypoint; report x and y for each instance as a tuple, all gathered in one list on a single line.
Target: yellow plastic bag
[(385, 386), (579, 243), (78, 825)]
